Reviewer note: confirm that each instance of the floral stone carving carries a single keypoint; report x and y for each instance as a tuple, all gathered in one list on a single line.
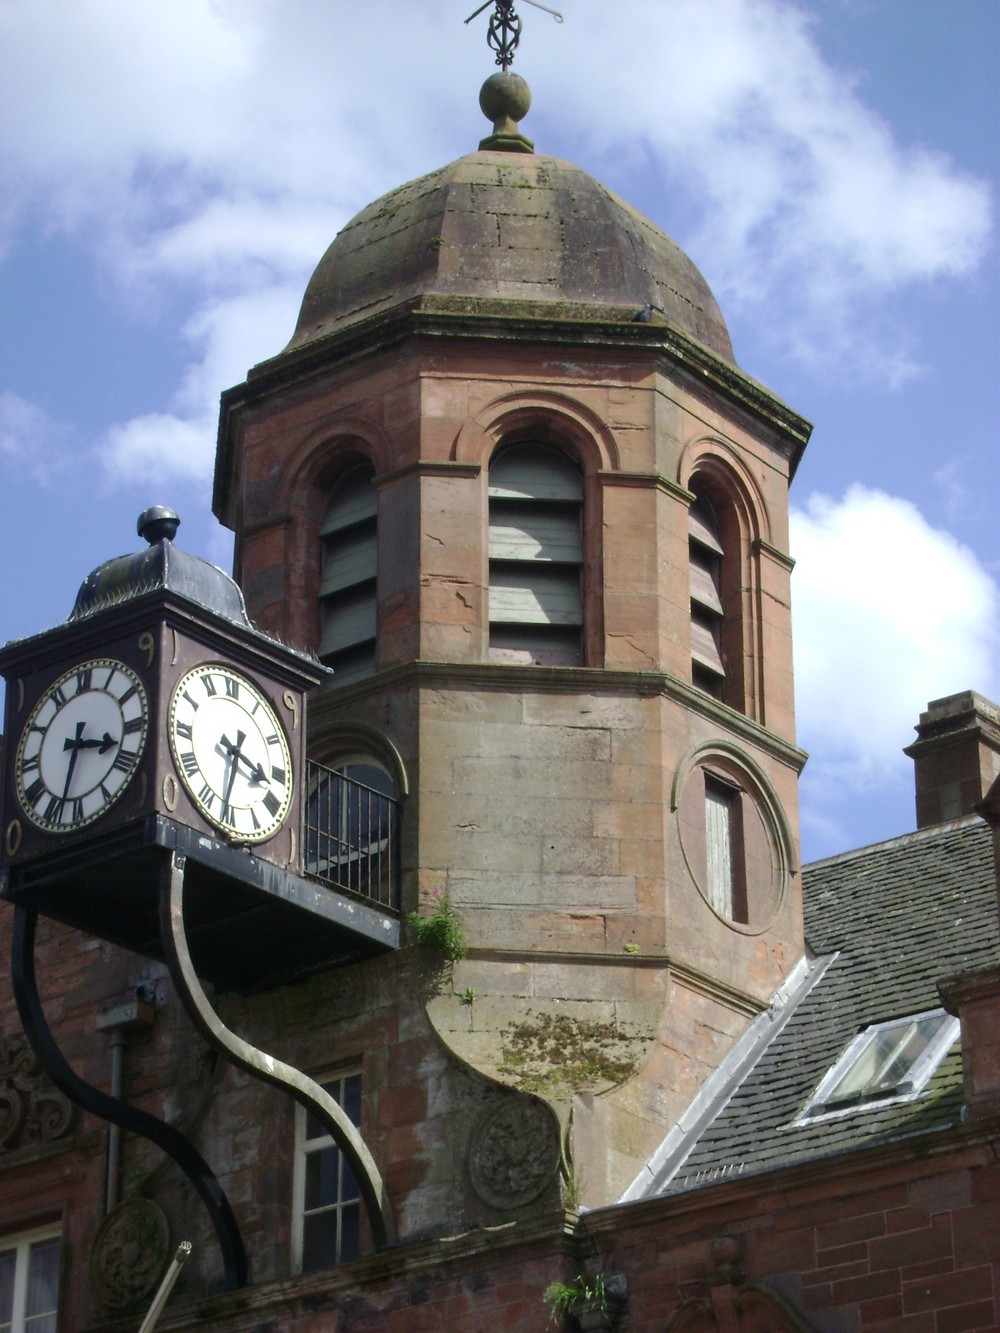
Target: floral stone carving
[(514, 1152), (129, 1256)]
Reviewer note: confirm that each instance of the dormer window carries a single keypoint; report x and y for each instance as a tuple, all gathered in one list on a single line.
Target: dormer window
[(886, 1062)]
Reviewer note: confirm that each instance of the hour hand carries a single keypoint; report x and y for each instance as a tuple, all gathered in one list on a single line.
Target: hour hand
[(236, 753)]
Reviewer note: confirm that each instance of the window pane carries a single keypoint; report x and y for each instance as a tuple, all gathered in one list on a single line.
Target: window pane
[(319, 1241), (8, 1265), (351, 1101), (350, 1232), (887, 1059), (719, 846), (43, 1283), (321, 1177)]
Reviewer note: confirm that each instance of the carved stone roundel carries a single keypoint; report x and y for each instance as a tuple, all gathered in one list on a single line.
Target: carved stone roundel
[(514, 1153), (129, 1255)]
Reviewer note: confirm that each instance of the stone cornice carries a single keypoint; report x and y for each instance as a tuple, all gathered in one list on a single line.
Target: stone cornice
[(648, 481), (975, 1140), (425, 467), (541, 679), (772, 552), (550, 1233), (499, 322), (690, 978)]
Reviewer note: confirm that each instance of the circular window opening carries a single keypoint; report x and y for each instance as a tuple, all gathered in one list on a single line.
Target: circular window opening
[(730, 844)]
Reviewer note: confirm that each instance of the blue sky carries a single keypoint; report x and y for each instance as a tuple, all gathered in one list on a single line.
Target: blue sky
[(170, 174)]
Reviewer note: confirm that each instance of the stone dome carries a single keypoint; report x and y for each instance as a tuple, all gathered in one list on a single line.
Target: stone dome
[(497, 230)]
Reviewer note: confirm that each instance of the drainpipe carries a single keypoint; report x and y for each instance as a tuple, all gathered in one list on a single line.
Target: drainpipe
[(133, 1016)]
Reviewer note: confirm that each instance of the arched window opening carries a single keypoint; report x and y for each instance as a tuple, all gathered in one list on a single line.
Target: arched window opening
[(536, 557), (349, 558), (351, 835), (705, 559)]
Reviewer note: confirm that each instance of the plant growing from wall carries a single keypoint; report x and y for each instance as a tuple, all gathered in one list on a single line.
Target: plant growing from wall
[(442, 931), (590, 1302)]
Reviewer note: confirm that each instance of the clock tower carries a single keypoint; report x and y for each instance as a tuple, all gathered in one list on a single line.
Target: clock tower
[(509, 482)]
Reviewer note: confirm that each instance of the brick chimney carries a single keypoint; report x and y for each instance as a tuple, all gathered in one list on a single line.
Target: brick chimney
[(956, 756)]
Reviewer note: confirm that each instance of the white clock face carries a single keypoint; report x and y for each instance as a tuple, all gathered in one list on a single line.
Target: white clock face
[(231, 752), (81, 745)]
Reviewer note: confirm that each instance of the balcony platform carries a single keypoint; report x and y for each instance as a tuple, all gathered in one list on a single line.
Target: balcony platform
[(250, 925)]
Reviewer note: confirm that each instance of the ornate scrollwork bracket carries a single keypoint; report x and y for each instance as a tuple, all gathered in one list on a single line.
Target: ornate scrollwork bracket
[(305, 1090), (112, 1109)]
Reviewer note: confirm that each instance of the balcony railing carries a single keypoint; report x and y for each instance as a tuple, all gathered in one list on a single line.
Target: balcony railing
[(351, 836)]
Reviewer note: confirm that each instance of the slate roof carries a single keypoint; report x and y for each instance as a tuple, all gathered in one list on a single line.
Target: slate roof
[(887, 922)]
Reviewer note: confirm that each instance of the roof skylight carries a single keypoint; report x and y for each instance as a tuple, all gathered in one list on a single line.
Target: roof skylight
[(886, 1061)]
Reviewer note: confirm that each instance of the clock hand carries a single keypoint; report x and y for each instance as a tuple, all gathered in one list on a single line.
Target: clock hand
[(102, 745), (257, 773), (73, 744), (235, 753)]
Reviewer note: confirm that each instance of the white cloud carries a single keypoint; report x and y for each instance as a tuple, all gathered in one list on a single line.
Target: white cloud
[(889, 613), (811, 209), (29, 438), (206, 151)]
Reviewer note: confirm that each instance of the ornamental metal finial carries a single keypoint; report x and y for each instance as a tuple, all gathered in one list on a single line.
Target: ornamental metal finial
[(504, 31)]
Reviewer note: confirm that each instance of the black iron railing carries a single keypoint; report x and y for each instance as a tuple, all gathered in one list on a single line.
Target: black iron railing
[(351, 836)]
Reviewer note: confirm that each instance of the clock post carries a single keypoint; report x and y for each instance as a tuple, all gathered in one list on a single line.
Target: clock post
[(155, 772)]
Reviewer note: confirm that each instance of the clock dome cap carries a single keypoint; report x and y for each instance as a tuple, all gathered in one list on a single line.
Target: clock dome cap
[(160, 567)]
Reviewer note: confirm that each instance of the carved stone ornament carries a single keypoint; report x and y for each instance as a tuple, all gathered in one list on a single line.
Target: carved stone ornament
[(733, 1305), (514, 1152), (31, 1109), (129, 1256)]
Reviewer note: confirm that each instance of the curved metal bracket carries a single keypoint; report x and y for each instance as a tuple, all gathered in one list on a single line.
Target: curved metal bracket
[(304, 1089), (118, 1112)]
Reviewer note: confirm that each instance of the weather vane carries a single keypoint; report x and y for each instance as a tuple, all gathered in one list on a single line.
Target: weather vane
[(505, 27)]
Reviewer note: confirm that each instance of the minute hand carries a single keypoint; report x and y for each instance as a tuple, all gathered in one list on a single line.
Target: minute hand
[(235, 752)]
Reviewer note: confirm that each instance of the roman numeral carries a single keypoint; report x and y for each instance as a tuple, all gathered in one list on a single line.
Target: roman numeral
[(54, 810), (77, 812), (106, 795), (111, 676), (209, 685), (83, 679), (190, 763), (206, 796), (129, 694), (253, 816), (183, 730), (228, 815), (232, 687), (134, 724), (271, 803), (273, 739), (278, 774), (58, 697), (35, 791), (187, 696), (29, 765), (124, 760)]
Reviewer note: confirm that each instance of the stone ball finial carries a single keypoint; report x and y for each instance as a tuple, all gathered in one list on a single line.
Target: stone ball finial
[(158, 523), (505, 98)]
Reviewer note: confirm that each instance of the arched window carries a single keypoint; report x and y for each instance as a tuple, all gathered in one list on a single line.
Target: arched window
[(705, 557), (351, 828), (536, 556), (348, 537)]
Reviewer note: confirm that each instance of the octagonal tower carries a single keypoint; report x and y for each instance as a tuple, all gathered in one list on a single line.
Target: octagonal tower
[(509, 482)]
